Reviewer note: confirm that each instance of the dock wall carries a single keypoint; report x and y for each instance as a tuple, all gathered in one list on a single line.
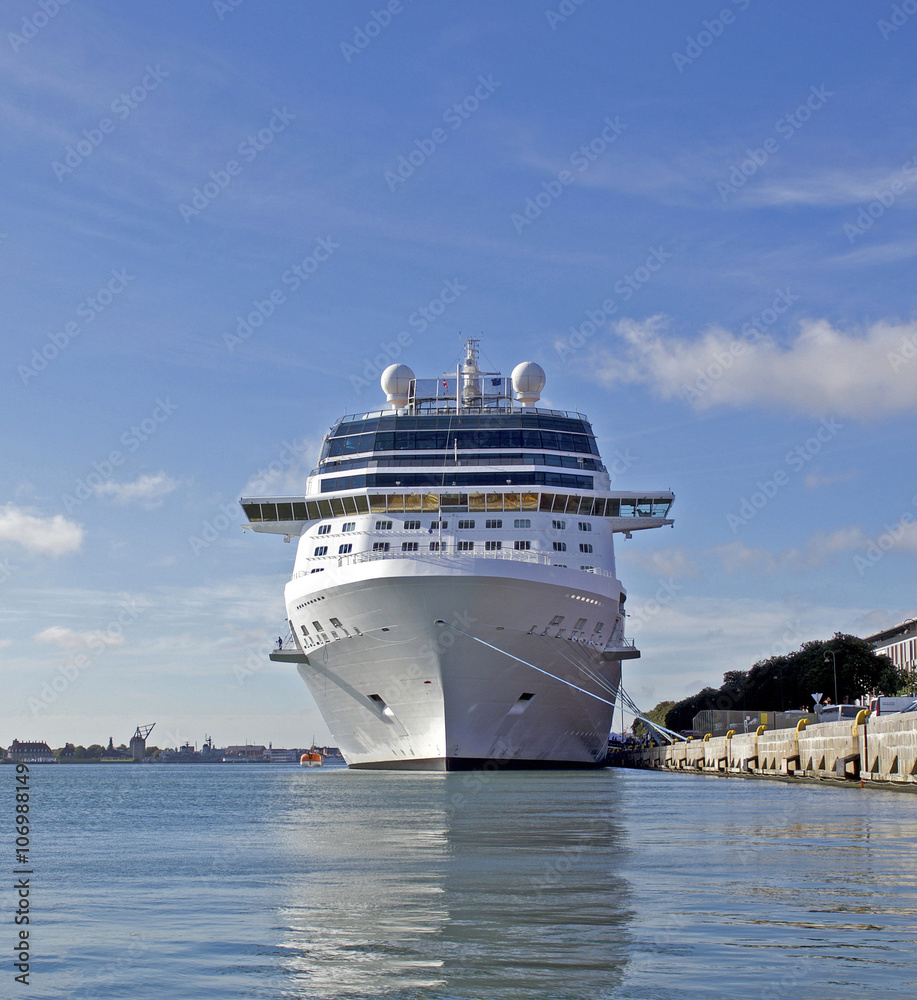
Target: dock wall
[(879, 750)]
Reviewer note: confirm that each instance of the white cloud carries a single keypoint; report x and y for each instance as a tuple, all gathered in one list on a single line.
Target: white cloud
[(147, 490), (50, 536), (67, 638), (826, 188), (286, 474), (815, 479), (823, 371), (671, 562)]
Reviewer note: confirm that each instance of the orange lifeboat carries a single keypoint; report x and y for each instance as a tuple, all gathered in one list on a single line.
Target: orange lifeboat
[(312, 758)]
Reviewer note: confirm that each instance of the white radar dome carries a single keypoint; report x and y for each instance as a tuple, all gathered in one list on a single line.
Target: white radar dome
[(396, 384), (528, 381)]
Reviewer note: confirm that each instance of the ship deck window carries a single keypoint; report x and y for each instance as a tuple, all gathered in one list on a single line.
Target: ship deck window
[(349, 526), (409, 525), (324, 529), (560, 546), (380, 503), (409, 546), (465, 524), (522, 522), (383, 525), (435, 546), (493, 546), (559, 525), (585, 547), (380, 546), (497, 523), (343, 550), (439, 524), (321, 550), (466, 546), (522, 546)]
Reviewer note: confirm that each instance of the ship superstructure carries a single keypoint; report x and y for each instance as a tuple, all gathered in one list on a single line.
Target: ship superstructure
[(454, 598)]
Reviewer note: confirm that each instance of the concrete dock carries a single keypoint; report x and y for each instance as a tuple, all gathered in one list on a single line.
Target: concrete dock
[(880, 751)]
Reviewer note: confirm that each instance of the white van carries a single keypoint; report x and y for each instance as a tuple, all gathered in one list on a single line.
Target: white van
[(885, 706)]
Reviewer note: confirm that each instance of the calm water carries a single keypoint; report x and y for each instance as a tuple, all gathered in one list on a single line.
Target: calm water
[(176, 881)]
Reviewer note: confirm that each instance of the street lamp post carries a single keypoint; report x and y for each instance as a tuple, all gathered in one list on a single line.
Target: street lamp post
[(830, 652)]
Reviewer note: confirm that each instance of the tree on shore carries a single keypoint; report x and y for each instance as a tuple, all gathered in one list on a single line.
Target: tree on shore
[(783, 683)]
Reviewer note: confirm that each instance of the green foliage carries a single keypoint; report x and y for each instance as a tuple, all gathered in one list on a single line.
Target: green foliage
[(781, 683), (656, 714)]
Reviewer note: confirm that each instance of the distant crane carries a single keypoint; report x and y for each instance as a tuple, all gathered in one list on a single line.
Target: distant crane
[(138, 742)]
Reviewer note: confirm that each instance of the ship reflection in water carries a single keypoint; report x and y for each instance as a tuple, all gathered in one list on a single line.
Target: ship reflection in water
[(459, 884)]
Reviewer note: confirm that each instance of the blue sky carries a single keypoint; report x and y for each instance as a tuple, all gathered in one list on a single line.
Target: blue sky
[(216, 219)]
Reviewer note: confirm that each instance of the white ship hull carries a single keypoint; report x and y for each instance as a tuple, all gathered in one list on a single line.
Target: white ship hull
[(445, 667)]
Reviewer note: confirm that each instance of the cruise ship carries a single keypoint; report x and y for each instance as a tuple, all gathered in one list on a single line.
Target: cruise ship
[(454, 602)]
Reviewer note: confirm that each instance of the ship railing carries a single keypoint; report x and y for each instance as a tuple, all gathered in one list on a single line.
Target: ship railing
[(428, 410), (438, 558)]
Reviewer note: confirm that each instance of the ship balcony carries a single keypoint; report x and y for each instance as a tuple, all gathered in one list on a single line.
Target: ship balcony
[(448, 557)]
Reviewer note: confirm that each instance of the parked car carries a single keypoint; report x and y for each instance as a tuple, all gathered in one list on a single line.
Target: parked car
[(834, 713)]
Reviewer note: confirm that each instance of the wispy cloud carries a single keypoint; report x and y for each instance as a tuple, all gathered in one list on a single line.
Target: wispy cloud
[(68, 638), (49, 536), (149, 491), (858, 375), (833, 187)]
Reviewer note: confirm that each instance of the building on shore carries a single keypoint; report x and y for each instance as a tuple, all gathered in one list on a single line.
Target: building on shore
[(899, 644), (31, 753)]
